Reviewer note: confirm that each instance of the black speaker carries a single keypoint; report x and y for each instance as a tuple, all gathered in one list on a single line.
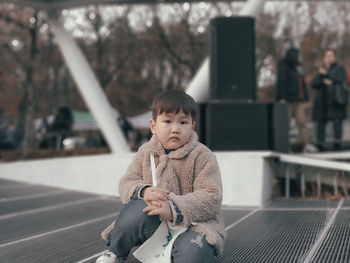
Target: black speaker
[(232, 59), (246, 126), (200, 121)]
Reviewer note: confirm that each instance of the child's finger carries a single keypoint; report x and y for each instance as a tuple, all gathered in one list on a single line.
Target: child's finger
[(155, 204), (165, 193), (161, 196), (156, 196), (149, 209), (154, 212), (161, 191)]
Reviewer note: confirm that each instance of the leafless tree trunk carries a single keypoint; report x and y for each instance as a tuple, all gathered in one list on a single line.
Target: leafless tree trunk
[(27, 106), (29, 89)]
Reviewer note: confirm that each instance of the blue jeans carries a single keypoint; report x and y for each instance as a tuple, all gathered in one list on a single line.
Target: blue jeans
[(133, 227)]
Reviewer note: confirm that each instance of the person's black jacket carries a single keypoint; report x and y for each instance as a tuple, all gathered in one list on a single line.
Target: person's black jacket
[(289, 80), (323, 110)]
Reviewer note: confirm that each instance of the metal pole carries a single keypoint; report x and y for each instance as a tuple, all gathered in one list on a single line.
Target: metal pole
[(344, 183), (303, 185), (89, 87), (335, 183), (288, 171), (318, 185)]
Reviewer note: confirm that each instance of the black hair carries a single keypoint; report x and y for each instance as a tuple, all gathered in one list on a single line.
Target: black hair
[(173, 101)]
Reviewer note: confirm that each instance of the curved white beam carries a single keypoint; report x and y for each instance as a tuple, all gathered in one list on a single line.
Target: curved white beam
[(89, 88), (252, 8), (198, 88)]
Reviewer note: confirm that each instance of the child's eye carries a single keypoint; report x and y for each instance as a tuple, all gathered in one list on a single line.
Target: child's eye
[(184, 122), (167, 121)]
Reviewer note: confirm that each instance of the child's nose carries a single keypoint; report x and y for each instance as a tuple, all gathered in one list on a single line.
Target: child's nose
[(175, 128)]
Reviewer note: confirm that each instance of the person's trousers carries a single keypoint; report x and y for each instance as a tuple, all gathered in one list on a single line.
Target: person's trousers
[(296, 110), (337, 132), (133, 227)]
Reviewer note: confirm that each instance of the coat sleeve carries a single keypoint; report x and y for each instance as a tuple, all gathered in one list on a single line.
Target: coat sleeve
[(337, 75), (204, 202), (133, 178), (317, 81)]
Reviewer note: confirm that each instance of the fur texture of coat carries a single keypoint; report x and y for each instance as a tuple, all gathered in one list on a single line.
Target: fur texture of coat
[(192, 173)]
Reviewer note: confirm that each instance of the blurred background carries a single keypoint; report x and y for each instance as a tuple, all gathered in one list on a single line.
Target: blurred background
[(136, 51), (80, 82)]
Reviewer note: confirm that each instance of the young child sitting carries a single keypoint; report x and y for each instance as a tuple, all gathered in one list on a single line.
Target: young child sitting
[(189, 188)]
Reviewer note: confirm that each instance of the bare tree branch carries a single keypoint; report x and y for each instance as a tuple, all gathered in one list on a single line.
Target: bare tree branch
[(173, 54)]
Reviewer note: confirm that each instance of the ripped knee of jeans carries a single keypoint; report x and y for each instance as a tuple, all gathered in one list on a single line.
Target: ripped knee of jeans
[(198, 241)]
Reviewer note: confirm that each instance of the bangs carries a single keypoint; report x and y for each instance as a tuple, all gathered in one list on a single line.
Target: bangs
[(175, 109)]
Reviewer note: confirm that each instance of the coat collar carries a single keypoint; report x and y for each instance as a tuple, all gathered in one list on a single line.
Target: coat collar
[(333, 65), (158, 150)]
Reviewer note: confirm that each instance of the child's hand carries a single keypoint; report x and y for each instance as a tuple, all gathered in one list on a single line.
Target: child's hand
[(162, 209), (154, 194)]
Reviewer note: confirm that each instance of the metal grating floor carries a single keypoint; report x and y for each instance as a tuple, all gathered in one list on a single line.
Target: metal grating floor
[(306, 204), (46, 224), (336, 246), (231, 216), (273, 236)]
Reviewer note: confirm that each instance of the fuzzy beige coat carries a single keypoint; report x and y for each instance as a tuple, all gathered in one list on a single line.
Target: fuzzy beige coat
[(192, 173)]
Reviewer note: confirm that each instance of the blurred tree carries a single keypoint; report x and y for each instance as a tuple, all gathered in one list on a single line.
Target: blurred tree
[(136, 51), (23, 49), (34, 67), (267, 50)]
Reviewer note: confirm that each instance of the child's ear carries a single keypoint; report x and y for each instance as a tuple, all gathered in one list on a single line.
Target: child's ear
[(193, 125), (152, 125)]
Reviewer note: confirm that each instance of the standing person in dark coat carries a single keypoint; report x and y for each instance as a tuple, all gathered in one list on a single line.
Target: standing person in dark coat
[(291, 88), (61, 128), (329, 75)]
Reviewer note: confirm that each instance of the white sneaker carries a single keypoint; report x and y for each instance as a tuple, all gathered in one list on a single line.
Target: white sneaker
[(107, 257), (309, 148)]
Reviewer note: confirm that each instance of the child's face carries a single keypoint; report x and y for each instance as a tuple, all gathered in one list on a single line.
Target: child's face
[(172, 130)]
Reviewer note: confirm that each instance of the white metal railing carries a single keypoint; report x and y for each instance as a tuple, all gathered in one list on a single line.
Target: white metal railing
[(340, 169)]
